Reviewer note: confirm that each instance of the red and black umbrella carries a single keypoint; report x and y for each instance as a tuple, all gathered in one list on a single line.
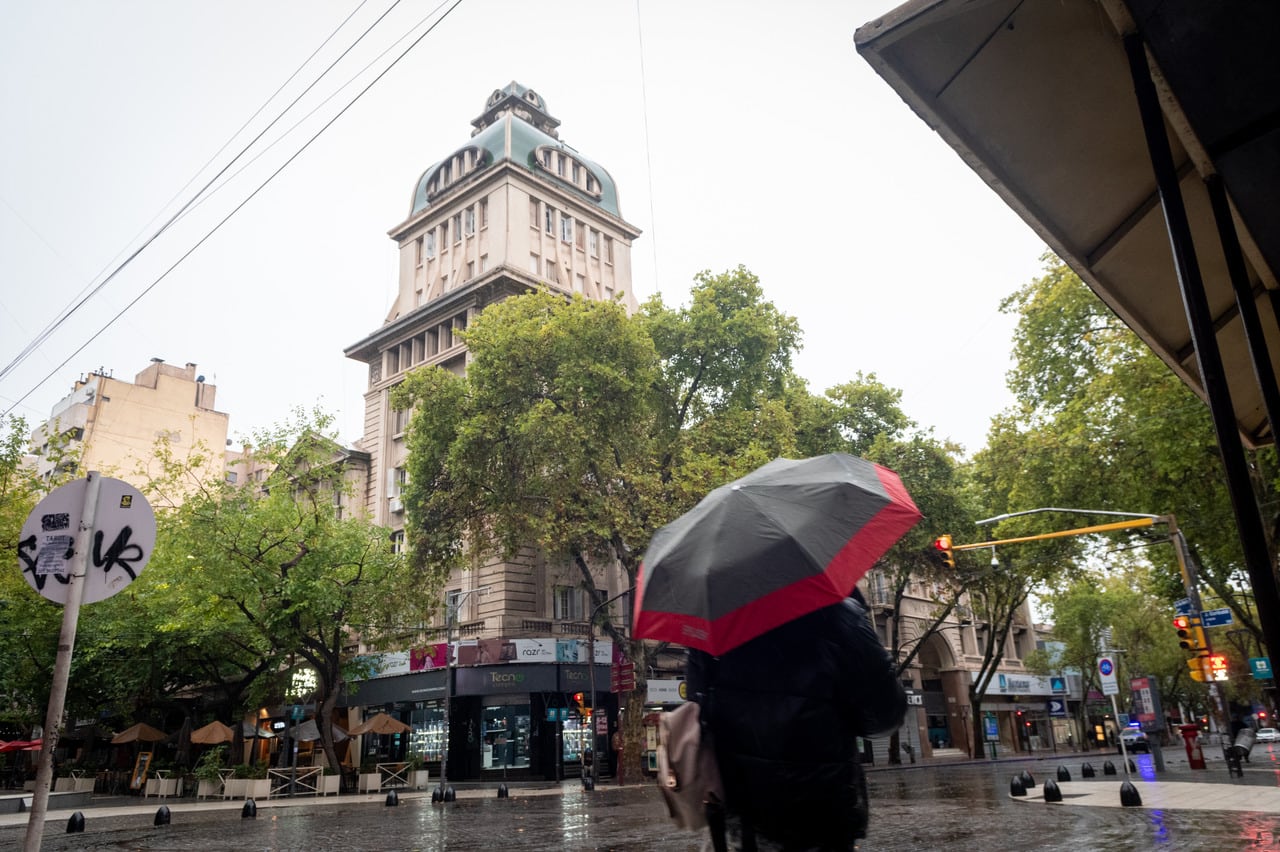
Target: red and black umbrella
[(781, 542)]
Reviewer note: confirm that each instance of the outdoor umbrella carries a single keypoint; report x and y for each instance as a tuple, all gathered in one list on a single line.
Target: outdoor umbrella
[(213, 733), (309, 731), (781, 542), (21, 745), (380, 724), (141, 732)]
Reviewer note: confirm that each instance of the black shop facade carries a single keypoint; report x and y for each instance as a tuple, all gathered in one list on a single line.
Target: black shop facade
[(511, 719)]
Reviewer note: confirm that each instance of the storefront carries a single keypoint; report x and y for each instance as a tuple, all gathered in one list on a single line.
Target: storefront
[(508, 718)]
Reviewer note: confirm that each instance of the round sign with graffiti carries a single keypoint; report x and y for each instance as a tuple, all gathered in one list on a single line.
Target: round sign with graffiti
[(124, 535)]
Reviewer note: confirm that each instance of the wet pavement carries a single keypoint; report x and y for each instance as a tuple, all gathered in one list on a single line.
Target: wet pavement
[(936, 806)]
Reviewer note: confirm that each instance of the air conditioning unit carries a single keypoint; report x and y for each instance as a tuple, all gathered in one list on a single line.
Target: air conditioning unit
[(396, 505)]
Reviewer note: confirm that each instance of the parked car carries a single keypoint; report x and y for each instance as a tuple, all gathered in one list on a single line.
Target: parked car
[(1135, 740), (1267, 735)]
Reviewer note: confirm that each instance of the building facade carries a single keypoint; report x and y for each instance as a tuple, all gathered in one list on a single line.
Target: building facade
[(113, 426), (513, 209)]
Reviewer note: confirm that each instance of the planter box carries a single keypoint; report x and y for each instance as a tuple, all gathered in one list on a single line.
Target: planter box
[(209, 788), (329, 784), (161, 787), (419, 779), (73, 785), (257, 788), (233, 788), (370, 782)]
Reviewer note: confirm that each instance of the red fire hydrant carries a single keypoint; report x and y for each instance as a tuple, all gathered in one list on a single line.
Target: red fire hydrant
[(1191, 736)]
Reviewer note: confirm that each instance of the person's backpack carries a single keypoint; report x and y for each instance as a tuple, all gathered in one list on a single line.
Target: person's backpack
[(688, 774)]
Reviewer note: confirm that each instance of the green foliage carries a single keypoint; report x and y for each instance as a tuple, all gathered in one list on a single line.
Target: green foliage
[(208, 767)]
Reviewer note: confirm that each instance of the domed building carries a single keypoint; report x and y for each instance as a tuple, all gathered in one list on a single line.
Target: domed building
[(512, 210)]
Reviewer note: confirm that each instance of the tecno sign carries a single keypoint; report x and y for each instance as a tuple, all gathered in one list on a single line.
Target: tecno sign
[(506, 678)]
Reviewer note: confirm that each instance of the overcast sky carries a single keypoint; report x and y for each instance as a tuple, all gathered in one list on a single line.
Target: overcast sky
[(738, 133)]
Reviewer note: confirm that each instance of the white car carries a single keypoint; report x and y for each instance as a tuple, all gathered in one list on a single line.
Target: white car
[(1267, 735), (1134, 740)]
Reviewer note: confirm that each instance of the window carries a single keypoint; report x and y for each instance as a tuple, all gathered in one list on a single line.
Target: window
[(568, 603), (469, 221), (578, 237), (580, 284), (608, 249), (575, 170), (535, 264), (471, 269), (593, 242), (417, 252), (560, 164), (484, 263), (397, 541), (553, 274), (231, 477), (484, 213), (549, 218), (444, 235), (430, 246), (457, 228), (505, 737), (533, 214), (566, 228)]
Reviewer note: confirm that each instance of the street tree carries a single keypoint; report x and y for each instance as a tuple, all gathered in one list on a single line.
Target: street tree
[(581, 430), (277, 564)]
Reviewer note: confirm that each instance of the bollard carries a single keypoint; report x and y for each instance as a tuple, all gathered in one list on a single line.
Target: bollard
[(250, 809), (1129, 797), (1051, 791), (1086, 771), (1108, 768), (1016, 787), (450, 795), (162, 816), (587, 783), (1027, 780), (393, 798), (1063, 774), (75, 825), (1133, 767), (437, 795), (503, 792)]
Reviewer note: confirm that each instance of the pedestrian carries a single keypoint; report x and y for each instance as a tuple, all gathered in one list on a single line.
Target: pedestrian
[(784, 712)]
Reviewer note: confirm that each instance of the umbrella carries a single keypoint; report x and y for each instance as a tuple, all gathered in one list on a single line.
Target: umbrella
[(309, 731), (139, 732), (251, 730), (781, 542), (380, 724), (21, 745), (213, 733)]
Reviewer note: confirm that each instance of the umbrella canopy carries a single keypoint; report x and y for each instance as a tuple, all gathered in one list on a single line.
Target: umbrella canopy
[(213, 733), (781, 542), (251, 730), (139, 732), (309, 731), (21, 745), (380, 724)]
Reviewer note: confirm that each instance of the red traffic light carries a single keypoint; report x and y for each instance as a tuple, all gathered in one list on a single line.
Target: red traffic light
[(1182, 622), (942, 544), (577, 696)]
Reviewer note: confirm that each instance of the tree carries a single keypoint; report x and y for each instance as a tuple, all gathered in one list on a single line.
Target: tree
[(273, 565), (1105, 425), (581, 431)]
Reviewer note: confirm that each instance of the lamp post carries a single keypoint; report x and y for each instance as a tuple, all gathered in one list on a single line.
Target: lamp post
[(450, 620), (591, 662)]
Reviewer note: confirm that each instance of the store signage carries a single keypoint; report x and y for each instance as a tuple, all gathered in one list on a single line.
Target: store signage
[(665, 692), (1261, 667)]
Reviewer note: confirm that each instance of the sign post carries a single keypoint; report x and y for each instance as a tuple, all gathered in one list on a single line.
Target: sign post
[(1107, 671), (61, 554)]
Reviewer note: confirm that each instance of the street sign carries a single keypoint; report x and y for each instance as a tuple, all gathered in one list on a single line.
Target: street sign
[(1107, 669), (124, 536), (1057, 707), (1215, 617), (1058, 684), (1261, 668), (1182, 606)]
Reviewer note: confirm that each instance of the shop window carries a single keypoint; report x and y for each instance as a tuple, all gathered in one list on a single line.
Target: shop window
[(505, 742), (577, 737), (427, 737)]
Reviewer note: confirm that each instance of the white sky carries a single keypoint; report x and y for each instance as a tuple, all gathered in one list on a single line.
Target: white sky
[(770, 143)]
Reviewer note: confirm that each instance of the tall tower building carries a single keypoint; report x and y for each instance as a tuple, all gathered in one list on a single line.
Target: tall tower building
[(512, 210)]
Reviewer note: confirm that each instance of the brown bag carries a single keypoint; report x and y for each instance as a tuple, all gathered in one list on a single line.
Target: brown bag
[(688, 775)]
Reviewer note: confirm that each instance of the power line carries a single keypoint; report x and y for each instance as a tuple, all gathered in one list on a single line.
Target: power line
[(250, 197)]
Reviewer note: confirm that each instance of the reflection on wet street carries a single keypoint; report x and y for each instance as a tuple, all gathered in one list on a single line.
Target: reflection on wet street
[(913, 808)]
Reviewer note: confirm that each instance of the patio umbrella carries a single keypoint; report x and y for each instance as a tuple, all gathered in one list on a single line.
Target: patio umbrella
[(380, 724), (309, 731), (781, 542), (213, 733), (251, 730), (20, 745), (141, 732)]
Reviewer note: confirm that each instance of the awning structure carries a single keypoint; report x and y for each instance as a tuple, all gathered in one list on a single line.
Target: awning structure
[(1141, 140), (1037, 97)]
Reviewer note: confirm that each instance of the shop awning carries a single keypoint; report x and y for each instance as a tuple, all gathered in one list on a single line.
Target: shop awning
[(1038, 99)]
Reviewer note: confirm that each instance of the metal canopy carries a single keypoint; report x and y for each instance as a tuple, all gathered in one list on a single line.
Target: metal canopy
[(1037, 97)]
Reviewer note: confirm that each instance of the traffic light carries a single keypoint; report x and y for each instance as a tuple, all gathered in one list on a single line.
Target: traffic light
[(1197, 670), (581, 703), (1218, 667), (942, 544), (1190, 633)]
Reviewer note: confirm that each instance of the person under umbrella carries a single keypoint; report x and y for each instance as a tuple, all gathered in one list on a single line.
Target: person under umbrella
[(758, 580)]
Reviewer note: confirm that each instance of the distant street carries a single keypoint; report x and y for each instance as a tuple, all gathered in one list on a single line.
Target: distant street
[(936, 807)]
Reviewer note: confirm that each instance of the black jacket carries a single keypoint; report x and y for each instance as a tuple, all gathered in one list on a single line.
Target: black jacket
[(785, 709)]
